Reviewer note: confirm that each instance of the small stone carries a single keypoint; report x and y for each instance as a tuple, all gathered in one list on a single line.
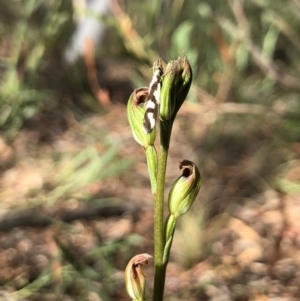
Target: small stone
[(247, 251), (259, 268), (207, 277), (285, 269), (211, 290), (243, 230), (275, 288), (24, 245), (41, 261), (247, 215), (92, 296), (5, 150), (239, 291), (259, 286), (6, 296), (272, 200), (292, 290), (273, 220), (228, 260)]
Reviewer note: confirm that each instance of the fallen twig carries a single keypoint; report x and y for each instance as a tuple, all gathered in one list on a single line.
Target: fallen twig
[(37, 218)]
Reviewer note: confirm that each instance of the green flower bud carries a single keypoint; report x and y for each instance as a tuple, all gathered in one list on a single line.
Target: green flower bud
[(168, 91), (134, 278), (176, 84), (135, 113), (185, 189), (185, 84)]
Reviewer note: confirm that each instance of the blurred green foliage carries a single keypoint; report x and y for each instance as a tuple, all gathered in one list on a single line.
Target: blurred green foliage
[(256, 40), (252, 44), (83, 169), (27, 42)]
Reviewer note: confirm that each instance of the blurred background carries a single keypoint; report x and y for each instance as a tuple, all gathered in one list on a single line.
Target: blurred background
[(75, 195)]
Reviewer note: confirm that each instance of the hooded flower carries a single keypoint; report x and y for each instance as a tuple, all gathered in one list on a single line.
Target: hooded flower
[(134, 278), (185, 189), (135, 113)]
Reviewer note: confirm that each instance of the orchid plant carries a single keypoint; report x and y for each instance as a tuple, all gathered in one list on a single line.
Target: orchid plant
[(161, 100)]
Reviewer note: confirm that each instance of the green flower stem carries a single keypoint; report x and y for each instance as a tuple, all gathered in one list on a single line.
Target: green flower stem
[(170, 229), (151, 157), (159, 238), (159, 235), (165, 133)]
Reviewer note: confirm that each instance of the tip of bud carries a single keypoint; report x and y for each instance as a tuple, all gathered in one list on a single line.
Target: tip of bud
[(176, 84), (186, 167)]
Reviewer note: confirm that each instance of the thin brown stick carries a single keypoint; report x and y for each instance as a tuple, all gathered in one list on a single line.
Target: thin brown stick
[(100, 94), (37, 218)]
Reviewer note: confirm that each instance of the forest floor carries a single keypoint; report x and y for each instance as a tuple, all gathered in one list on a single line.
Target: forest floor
[(76, 207)]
